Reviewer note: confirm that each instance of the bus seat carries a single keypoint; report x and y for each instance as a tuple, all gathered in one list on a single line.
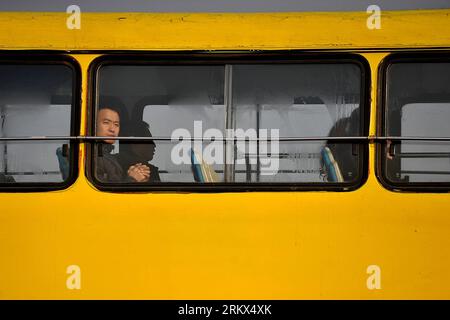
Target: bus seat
[(202, 171), (332, 168), (63, 161)]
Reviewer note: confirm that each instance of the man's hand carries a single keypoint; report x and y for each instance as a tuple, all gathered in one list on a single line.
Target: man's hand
[(139, 172)]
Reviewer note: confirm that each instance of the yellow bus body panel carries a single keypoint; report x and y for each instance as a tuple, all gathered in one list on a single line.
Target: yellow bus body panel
[(144, 31), (254, 245)]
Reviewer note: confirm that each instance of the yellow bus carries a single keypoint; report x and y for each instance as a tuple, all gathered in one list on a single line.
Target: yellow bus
[(287, 156)]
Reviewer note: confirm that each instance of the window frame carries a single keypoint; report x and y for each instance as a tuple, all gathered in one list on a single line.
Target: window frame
[(380, 167), (33, 58), (184, 58)]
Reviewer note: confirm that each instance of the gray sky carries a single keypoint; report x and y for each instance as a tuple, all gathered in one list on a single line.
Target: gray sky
[(218, 5)]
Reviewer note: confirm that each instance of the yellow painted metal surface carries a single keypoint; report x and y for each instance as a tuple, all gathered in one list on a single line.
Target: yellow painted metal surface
[(283, 245), (137, 31)]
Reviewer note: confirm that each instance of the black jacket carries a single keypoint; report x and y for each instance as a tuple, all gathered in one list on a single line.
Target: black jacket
[(107, 168)]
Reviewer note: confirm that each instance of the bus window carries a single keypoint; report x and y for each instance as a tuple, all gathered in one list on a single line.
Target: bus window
[(233, 124), (303, 100), (162, 100), (417, 110), (35, 101)]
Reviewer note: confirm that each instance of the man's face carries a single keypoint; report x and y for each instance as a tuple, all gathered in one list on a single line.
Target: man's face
[(108, 124)]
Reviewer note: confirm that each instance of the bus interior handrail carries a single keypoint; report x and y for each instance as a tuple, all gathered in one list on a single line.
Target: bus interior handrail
[(370, 139)]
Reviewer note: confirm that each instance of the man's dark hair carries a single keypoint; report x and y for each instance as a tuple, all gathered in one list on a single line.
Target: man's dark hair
[(115, 104), (113, 108)]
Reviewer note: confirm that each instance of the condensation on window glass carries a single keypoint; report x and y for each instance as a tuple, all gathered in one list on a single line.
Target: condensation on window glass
[(164, 101), (303, 100), (425, 161), (418, 105), (219, 103), (35, 100)]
